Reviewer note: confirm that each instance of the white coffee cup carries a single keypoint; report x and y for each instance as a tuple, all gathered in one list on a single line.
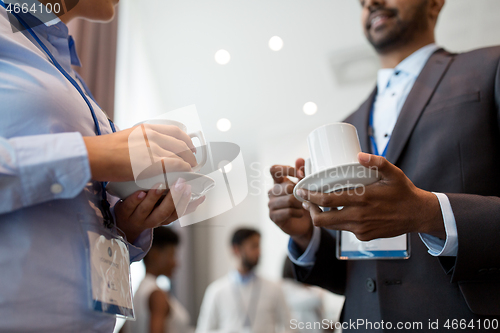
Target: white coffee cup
[(196, 134), (332, 145)]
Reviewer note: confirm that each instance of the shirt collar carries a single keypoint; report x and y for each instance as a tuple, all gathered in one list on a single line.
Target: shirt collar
[(53, 29), (37, 18), (242, 279), (412, 65), (383, 77)]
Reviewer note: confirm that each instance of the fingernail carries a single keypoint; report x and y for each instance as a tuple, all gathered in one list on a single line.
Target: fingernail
[(179, 184), (301, 173), (305, 204), (187, 192), (301, 193), (141, 195), (364, 157), (160, 189)]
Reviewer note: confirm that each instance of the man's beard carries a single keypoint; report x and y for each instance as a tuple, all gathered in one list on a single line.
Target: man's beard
[(248, 264), (403, 31)]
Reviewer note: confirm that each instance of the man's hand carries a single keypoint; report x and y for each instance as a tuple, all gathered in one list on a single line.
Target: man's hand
[(154, 148), (284, 209), (390, 207), (141, 210)]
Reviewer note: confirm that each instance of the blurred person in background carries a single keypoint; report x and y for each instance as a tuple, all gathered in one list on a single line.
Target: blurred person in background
[(242, 301), (306, 303), (156, 310)]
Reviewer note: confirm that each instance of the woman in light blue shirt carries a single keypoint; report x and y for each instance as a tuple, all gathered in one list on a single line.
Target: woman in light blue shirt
[(51, 166)]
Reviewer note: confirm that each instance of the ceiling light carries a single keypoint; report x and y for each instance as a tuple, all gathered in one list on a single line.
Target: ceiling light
[(276, 43), (222, 57), (223, 125), (310, 108)]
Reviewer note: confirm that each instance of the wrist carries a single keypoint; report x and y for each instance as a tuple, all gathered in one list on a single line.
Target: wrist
[(94, 149), (130, 235), (432, 223), (303, 240)]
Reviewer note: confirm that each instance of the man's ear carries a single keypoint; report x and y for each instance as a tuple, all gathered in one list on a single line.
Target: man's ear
[(236, 250), (435, 7)]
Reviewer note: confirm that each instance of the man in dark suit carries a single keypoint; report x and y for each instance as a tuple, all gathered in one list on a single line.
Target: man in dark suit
[(438, 114)]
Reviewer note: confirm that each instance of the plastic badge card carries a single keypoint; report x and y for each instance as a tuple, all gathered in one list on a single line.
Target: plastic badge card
[(351, 248), (110, 275)]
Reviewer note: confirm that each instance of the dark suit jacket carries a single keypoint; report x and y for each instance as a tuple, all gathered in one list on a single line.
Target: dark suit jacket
[(446, 139)]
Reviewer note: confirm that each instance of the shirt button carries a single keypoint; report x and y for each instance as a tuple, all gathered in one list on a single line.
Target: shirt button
[(370, 285), (56, 188)]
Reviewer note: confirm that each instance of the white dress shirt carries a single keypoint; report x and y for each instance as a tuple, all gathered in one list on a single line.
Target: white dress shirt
[(243, 304), (393, 87)]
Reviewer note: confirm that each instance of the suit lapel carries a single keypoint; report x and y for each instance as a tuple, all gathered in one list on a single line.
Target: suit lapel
[(417, 100)]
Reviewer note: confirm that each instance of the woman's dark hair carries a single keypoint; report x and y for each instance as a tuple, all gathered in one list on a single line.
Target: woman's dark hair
[(164, 236), (242, 234)]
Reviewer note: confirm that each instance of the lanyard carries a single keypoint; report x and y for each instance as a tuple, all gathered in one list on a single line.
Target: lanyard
[(252, 305), (106, 213), (372, 139)]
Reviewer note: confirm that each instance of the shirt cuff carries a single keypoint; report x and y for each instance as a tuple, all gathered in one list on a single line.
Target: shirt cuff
[(438, 247), (51, 166), (141, 245), (308, 258)]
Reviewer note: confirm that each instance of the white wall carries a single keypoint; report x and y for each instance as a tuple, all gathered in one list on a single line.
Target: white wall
[(166, 60)]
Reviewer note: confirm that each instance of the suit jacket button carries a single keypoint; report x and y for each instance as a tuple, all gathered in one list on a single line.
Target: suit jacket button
[(370, 285)]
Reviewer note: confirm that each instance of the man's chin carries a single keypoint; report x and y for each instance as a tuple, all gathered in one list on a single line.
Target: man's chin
[(384, 43), (251, 266)]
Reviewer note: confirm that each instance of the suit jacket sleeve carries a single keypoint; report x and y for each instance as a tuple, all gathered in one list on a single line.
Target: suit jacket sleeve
[(327, 272), (477, 266)]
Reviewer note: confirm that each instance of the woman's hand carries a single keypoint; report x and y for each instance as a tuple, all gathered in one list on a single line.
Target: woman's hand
[(141, 210), (123, 155)]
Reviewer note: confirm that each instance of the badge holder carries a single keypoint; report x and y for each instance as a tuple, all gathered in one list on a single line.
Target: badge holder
[(108, 272), (351, 248)]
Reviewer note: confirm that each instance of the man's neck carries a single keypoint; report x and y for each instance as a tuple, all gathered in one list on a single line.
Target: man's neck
[(392, 58), (244, 271)]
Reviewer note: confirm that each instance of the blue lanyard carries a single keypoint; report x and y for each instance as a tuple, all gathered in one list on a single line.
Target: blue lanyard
[(107, 217), (372, 139)]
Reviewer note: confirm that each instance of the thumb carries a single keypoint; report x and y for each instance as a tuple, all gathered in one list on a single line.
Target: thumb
[(313, 209), (380, 164)]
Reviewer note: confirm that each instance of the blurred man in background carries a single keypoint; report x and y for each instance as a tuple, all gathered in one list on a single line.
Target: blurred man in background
[(242, 301)]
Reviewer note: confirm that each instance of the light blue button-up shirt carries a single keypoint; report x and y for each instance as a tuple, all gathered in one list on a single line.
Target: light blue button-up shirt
[(46, 192), (393, 87)]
